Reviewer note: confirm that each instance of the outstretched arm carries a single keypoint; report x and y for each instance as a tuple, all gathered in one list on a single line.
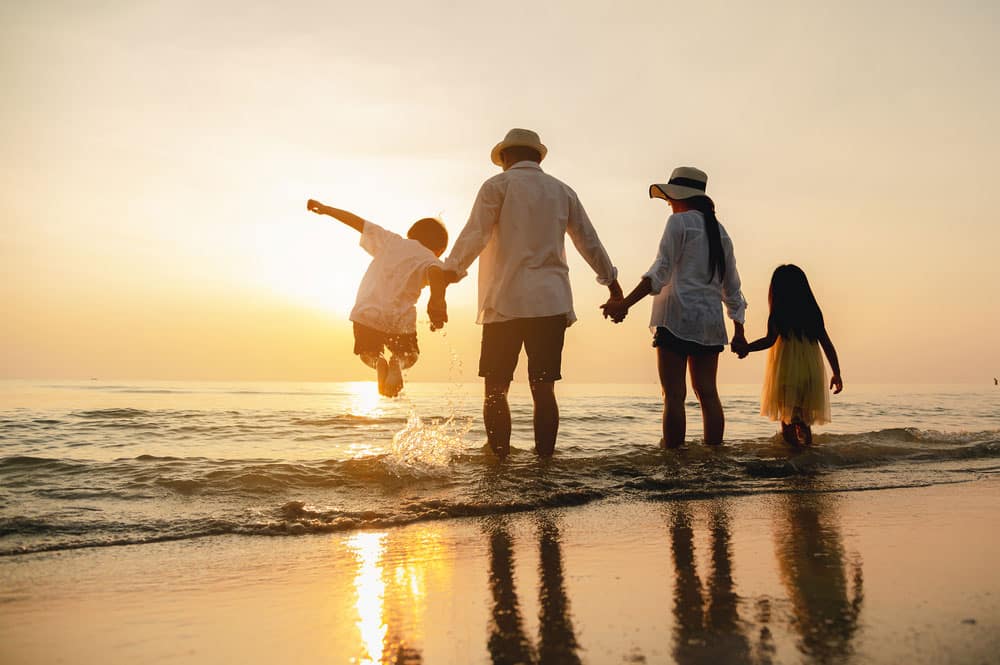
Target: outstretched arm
[(349, 218), (836, 382)]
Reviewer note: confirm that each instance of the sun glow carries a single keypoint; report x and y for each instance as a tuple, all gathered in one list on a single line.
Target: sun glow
[(370, 588)]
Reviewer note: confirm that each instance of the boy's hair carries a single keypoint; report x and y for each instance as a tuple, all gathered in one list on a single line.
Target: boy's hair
[(430, 233), (794, 310)]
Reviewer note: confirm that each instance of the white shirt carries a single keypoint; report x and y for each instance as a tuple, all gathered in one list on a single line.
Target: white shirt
[(389, 291), (687, 303), (517, 228)]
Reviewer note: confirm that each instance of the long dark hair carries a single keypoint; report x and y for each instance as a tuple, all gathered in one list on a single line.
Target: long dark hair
[(716, 257), (794, 310)]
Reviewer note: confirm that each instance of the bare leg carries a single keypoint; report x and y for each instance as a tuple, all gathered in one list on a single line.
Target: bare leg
[(371, 359), (496, 416), (381, 367), (806, 433), (704, 370), (671, 369), (789, 434), (406, 360), (546, 417)]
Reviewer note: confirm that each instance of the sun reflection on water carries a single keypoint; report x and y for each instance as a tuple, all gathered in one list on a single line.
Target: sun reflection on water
[(370, 587), (363, 399)]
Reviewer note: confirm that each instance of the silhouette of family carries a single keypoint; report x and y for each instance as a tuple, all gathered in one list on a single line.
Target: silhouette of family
[(517, 230)]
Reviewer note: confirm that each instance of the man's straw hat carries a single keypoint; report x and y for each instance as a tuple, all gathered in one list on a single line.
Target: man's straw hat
[(685, 182), (518, 137)]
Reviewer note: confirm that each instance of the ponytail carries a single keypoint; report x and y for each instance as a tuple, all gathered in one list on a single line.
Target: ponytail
[(716, 257)]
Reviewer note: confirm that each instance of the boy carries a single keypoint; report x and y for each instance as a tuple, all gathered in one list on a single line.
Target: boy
[(384, 314)]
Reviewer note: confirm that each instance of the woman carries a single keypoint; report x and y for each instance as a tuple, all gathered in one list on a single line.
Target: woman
[(693, 275)]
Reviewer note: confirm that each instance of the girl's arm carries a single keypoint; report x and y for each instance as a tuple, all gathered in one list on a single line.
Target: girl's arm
[(765, 342), (836, 382), (349, 218)]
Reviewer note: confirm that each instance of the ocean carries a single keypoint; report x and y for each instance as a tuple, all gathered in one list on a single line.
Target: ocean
[(93, 463)]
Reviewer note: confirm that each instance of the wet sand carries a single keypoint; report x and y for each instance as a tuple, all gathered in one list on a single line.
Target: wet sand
[(889, 576)]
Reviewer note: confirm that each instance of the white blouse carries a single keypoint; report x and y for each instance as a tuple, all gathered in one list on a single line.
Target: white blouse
[(686, 302), (389, 291)]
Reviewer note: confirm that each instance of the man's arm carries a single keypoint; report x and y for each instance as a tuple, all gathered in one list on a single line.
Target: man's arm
[(349, 218), (584, 236), (477, 231)]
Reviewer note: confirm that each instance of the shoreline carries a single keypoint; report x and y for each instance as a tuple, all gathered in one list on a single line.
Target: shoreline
[(780, 577)]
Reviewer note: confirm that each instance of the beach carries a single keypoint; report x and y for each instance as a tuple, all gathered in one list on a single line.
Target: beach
[(888, 576), (274, 522)]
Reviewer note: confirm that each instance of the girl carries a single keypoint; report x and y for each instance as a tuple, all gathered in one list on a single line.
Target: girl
[(794, 390)]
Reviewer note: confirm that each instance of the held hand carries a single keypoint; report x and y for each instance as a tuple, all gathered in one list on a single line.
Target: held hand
[(437, 310), (740, 347), (615, 309), (312, 205), (836, 384)]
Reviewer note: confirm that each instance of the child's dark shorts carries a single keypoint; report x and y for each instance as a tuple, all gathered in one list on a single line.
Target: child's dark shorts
[(368, 341), (542, 338), (663, 338)]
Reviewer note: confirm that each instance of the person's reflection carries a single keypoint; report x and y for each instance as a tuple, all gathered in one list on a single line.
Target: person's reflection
[(712, 633), (556, 640), (826, 598), (507, 641)]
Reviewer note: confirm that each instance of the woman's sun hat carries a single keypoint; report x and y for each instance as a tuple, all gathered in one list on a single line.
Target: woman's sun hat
[(518, 137), (685, 183)]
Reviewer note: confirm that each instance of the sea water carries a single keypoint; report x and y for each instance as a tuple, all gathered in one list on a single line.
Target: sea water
[(91, 463)]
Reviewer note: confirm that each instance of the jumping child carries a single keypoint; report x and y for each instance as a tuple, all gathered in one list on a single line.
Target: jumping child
[(795, 387), (385, 313)]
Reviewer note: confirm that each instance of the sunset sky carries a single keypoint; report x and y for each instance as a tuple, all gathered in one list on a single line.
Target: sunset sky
[(157, 157)]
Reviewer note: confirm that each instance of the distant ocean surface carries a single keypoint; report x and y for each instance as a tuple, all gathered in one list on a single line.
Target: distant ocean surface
[(89, 464)]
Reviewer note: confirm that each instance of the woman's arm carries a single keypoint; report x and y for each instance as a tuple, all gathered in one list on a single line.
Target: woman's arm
[(658, 275), (349, 218), (836, 382), (617, 309)]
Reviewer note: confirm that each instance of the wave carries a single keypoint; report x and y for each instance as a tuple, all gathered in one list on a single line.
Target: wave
[(52, 504)]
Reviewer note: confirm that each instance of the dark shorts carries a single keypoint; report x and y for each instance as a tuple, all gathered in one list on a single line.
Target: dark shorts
[(542, 339), (372, 342), (665, 339)]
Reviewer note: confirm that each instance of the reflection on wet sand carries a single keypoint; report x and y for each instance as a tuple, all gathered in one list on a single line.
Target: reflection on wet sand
[(507, 642), (390, 585), (818, 614), (712, 632), (826, 599)]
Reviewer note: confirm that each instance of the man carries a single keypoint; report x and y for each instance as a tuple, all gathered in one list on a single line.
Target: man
[(517, 228)]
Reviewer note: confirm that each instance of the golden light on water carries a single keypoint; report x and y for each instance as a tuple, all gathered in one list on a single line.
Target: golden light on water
[(364, 399), (369, 586)]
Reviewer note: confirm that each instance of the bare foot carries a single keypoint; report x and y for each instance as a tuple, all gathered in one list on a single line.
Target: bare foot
[(393, 379)]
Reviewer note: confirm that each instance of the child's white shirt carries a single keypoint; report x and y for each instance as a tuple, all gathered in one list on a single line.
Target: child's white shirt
[(389, 290)]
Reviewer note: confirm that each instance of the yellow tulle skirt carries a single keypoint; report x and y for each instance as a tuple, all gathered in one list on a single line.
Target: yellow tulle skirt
[(795, 383)]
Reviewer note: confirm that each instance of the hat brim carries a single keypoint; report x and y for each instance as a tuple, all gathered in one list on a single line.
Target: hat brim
[(675, 192), (503, 145)]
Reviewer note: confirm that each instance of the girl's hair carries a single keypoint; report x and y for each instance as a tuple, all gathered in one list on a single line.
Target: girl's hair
[(716, 257), (794, 310)]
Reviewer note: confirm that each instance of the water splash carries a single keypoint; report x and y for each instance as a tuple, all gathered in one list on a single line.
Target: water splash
[(426, 449)]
